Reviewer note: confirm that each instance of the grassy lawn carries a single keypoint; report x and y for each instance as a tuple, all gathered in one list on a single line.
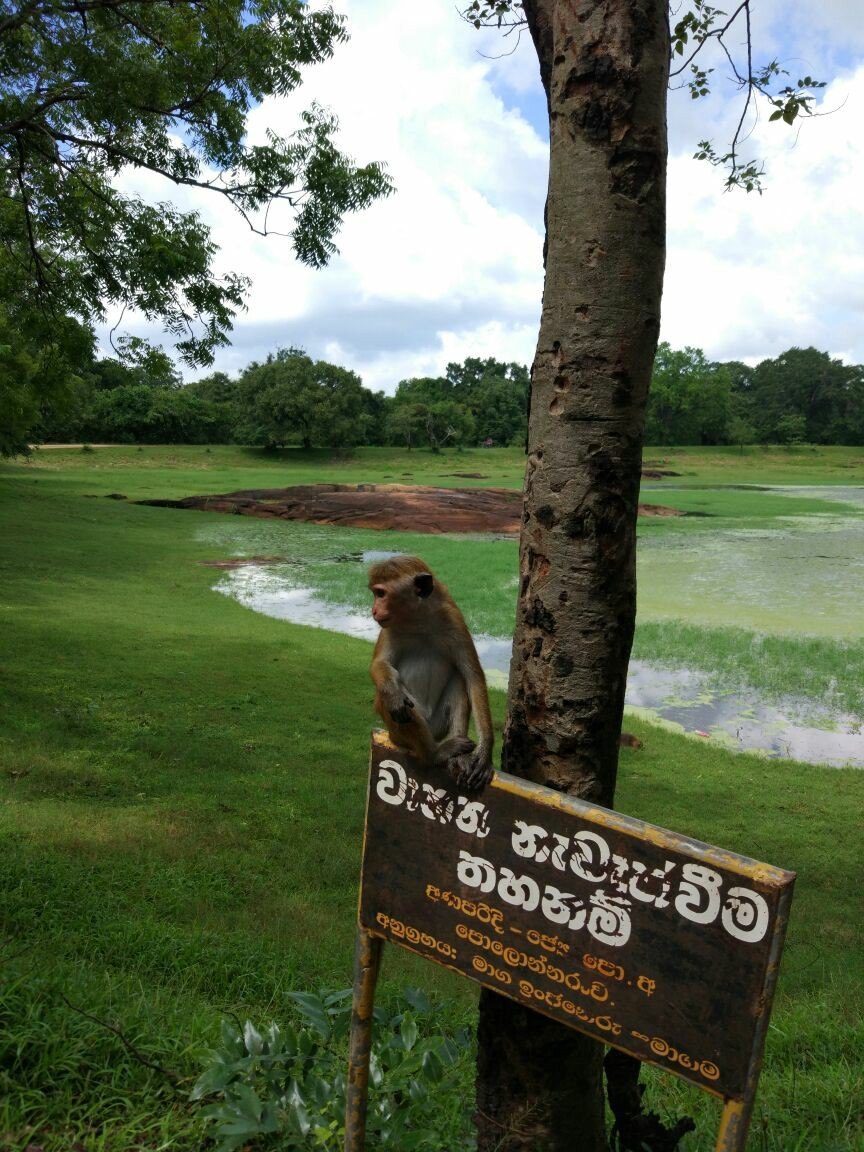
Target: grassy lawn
[(181, 801), (185, 470)]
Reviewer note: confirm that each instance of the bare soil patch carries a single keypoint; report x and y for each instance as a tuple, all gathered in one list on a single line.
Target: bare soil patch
[(406, 507)]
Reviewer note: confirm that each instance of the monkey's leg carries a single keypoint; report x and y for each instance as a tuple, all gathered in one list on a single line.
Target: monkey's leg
[(401, 712), (450, 722), (409, 730), (468, 765)]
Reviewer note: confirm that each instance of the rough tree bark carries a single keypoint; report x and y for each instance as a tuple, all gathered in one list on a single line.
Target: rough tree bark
[(604, 65)]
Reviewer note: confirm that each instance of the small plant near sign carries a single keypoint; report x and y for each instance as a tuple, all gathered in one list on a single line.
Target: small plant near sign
[(284, 1086)]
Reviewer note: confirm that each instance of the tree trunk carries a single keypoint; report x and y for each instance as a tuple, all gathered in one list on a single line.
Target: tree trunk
[(604, 65)]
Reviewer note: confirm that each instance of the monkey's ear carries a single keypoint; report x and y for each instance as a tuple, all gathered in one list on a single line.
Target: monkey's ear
[(423, 584)]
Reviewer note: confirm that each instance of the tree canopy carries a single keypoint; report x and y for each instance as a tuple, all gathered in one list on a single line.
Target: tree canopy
[(291, 397), (802, 395), (94, 88)]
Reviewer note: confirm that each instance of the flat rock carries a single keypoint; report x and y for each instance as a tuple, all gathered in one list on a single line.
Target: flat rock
[(406, 507)]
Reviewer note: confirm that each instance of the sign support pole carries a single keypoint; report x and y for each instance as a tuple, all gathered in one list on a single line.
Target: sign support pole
[(367, 962), (734, 1124)]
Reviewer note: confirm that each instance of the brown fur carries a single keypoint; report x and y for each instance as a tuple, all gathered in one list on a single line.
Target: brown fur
[(426, 671)]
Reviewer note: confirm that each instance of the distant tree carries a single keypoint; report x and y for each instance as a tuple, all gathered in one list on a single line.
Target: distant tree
[(89, 90), (180, 417), (500, 409), (740, 376), (740, 431), (108, 373), (406, 423), (468, 377), (802, 382), (139, 414), (690, 398), (217, 388), (849, 428), (43, 376), (220, 393), (119, 416), (425, 390), (448, 422), (376, 408), (291, 398), (430, 402), (791, 429)]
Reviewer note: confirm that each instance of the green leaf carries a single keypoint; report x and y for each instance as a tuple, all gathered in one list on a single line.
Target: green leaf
[(230, 1035), (418, 1000), (314, 1011), (252, 1039), (417, 1092), (409, 1141), (433, 1069), (246, 1100), (334, 999), (212, 1079), (408, 1032)]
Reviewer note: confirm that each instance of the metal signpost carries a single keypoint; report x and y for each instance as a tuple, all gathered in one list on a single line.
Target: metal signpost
[(656, 944)]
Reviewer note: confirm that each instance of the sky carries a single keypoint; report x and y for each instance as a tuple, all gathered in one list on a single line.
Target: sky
[(450, 265)]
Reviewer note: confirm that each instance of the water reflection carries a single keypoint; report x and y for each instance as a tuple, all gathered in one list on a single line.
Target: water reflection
[(681, 696)]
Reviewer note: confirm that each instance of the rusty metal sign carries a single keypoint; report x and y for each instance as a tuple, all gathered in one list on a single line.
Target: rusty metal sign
[(646, 940)]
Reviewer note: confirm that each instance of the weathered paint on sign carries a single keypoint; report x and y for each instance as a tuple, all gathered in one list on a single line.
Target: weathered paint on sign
[(646, 940)]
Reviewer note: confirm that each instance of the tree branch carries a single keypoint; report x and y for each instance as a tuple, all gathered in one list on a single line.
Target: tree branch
[(63, 95), (35, 254)]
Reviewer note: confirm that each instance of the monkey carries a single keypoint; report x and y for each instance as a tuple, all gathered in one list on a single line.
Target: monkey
[(426, 672)]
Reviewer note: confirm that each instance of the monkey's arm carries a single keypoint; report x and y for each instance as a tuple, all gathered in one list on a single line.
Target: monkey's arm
[(389, 689), (398, 709)]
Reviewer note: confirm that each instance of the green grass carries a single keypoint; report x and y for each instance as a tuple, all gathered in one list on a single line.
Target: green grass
[(761, 464), (818, 669), (181, 804), (745, 508), (185, 470)]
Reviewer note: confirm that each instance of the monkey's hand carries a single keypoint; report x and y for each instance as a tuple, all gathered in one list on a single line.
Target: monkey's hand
[(398, 703), (473, 771)]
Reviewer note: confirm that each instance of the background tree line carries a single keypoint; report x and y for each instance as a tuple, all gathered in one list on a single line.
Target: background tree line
[(801, 396)]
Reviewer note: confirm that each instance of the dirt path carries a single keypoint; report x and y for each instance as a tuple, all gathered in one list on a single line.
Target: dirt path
[(406, 507)]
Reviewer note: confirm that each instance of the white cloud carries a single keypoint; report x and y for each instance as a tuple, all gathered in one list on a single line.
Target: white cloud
[(749, 276), (451, 265)]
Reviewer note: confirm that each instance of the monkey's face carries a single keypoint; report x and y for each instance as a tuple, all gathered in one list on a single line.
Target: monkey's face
[(397, 603), (383, 604)]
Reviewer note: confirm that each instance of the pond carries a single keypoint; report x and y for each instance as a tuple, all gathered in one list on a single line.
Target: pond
[(685, 697), (750, 624), (788, 573)]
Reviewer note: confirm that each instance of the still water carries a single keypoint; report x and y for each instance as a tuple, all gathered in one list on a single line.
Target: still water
[(791, 728), (791, 574)]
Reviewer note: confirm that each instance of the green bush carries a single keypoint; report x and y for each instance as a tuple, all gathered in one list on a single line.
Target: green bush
[(286, 1085)]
